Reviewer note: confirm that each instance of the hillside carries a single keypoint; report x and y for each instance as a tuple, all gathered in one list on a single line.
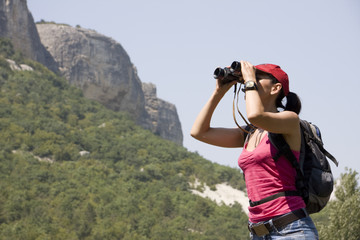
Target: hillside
[(72, 169)]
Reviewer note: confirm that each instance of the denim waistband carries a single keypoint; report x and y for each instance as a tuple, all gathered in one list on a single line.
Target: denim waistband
[(263, 228)]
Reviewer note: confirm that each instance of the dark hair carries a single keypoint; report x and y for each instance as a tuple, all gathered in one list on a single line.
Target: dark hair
[(293, 102)]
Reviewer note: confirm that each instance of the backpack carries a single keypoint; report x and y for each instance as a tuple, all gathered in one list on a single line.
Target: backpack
[(314, 179)]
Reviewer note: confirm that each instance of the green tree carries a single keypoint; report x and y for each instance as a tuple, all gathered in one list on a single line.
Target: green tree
[(7, 50), (344, 212)]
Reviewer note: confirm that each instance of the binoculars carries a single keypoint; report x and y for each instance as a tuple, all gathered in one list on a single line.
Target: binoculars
[(229, 74)]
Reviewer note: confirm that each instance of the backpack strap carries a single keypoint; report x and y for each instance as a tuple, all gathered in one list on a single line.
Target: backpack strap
[(328, 155), (274, 196), (278, 141), (284, 149)]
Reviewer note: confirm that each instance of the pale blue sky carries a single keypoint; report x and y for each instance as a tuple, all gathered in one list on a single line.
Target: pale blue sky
[(178, 44)]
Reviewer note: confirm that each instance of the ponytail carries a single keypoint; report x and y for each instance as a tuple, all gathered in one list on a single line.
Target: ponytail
[(293, 102)]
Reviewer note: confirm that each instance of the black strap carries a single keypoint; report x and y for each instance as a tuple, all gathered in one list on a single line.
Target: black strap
[(328, 155), (322, 149), (283, 148), (274, 196)]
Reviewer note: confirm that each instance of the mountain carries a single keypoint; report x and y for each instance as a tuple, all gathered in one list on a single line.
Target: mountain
[(95, 63)]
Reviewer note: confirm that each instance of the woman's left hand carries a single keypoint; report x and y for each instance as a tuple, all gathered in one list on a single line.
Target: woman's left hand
[(248, 71)]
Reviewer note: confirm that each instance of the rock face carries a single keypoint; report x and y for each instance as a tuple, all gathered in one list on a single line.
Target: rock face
[(96, 64), (163, 117), (93, 62), (17, 24), (102, 69)]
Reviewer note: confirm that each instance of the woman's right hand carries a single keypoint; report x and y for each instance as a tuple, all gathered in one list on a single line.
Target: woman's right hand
[(223, 87)]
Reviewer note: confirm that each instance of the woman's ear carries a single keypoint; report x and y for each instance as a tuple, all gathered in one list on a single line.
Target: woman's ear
[(276, 88)]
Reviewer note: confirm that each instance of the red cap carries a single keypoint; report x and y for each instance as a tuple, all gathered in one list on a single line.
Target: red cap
[(278, 73)]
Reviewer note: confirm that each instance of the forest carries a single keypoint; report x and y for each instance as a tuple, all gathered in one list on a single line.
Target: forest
[(72, 169)]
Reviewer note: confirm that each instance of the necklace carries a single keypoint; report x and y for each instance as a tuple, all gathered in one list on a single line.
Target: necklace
[(256, 135)]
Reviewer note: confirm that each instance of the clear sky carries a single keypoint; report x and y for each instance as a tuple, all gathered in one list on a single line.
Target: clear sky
[(178, 44)]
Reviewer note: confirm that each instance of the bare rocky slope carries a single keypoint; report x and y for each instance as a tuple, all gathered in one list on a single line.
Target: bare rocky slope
[(95, 63), (102, 69)]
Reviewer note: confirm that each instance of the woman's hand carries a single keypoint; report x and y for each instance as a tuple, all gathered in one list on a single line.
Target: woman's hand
[(223, 87), (248, 71)]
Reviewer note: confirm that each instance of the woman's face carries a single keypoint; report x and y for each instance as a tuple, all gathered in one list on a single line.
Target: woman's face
[(264, 83)]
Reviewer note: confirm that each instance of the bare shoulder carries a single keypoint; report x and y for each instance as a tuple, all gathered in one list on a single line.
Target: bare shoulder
[(293, 131), (285, 122)]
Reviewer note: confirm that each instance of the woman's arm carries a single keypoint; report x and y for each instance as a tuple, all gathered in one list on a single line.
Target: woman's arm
[(222, 137), (262, 112)]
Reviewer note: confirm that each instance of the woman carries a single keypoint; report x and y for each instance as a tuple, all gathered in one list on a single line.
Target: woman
[(266, 85)]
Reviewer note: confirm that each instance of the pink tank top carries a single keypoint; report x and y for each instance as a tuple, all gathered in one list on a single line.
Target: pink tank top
[(265, 177)]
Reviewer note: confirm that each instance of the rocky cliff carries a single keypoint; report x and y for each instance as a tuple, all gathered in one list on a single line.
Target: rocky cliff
[(103, 70), (163, 117), (96, 64), (93, 62), (17, 24)]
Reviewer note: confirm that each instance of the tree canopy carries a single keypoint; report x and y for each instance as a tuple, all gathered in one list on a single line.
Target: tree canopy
[(128, 184)]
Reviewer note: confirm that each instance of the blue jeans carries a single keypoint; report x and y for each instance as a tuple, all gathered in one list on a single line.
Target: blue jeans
[(300, 229)]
